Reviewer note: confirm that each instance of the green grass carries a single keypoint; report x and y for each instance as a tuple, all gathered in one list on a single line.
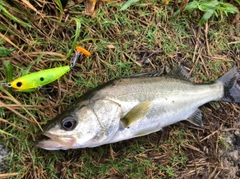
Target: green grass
[(119, 42)]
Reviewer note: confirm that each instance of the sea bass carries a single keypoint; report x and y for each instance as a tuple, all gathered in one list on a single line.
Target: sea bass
[(135, 106)]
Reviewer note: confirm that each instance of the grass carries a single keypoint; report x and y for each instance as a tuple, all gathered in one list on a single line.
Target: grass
[(120, 42)]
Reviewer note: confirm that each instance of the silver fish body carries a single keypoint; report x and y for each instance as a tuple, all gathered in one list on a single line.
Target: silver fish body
[(135, 106)]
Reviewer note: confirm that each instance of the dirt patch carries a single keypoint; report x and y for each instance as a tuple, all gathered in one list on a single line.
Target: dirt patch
[(230, 158)]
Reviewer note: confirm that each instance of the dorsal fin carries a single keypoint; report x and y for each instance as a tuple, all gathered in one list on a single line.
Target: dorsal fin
[(151, 74), (180, 72)]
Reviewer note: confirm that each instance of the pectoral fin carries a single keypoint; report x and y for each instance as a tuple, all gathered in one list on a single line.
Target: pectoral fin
[(196, 118), (136, 113)]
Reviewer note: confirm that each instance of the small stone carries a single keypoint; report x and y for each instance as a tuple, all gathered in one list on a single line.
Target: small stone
[(4, 156), (146, 61), (237, 132)]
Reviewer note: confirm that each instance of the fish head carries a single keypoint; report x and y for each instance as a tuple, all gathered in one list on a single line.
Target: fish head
[(75, 128)]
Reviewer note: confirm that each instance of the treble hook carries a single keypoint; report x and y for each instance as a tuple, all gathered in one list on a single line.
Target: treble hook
[(79, 52), (75, 58)]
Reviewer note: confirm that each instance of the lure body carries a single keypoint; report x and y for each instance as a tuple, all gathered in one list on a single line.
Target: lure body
[(35, 80)]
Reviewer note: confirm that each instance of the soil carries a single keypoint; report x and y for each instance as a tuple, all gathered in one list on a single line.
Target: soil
[(230, 158)]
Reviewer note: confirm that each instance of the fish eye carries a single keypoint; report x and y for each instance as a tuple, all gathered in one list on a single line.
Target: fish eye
[(69, 123)]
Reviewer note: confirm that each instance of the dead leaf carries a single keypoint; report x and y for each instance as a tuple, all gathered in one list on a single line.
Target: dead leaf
[(183, 5), (90, 7), (236, 19), (111, 46)]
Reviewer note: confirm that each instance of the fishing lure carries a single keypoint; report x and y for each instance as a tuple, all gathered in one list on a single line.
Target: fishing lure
[(33, 81)]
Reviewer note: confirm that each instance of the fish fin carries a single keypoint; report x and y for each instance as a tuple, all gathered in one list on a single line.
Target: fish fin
[(196, 118), (180, 72), (177, 72), (231, 87), (151, 74), (136, 113)]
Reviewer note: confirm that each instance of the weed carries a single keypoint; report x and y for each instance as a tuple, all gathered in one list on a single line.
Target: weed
[(211, 8), (4, 51), (223, 142)]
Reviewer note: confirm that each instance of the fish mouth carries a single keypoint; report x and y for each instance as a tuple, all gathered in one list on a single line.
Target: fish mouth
[(53, 142)]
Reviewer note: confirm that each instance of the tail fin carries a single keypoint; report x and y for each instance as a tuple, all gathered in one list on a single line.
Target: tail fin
[(231, 87)]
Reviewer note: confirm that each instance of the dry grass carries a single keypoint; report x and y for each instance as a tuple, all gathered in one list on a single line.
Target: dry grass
[(143, 38)]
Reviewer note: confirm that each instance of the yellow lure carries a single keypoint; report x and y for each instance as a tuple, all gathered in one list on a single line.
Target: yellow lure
[(35, 80)]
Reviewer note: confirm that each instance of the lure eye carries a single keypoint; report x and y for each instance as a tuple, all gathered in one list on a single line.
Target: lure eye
[(69, 123), (19, 84), (41, 79)]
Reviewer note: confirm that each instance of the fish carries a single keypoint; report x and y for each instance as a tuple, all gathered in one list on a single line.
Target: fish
[(135, 106)]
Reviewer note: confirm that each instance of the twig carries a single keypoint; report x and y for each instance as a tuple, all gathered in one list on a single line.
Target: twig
[(209, 135), (206, 38), (7, 175)]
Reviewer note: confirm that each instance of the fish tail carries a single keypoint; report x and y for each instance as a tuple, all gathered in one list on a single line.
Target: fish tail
[(231, 87)]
